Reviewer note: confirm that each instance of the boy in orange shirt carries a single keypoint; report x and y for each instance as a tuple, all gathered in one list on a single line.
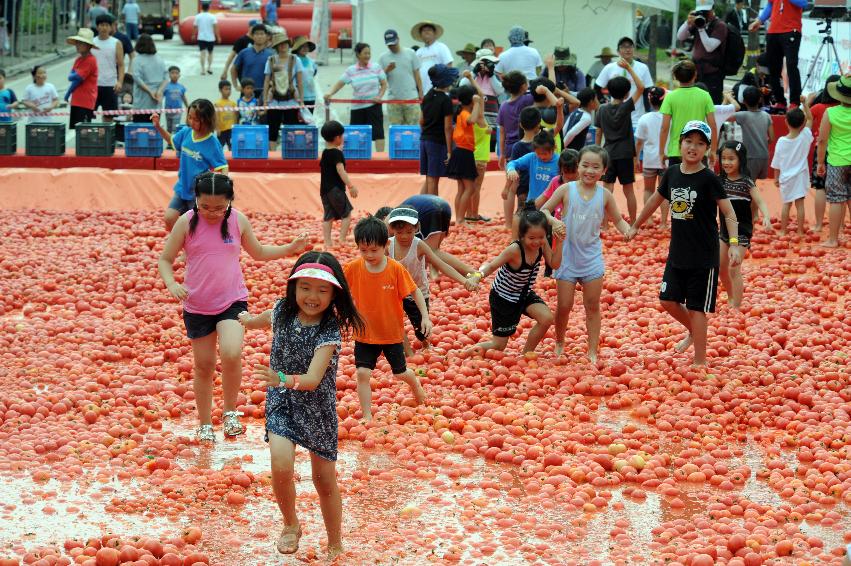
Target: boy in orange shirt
[(378, 285)]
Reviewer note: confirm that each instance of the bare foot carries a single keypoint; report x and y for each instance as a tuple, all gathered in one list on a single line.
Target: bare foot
[(366, 418), (335, 551), (830, 244), (473, 351), (559, 349), (781, 232), (409, 351), (419, 392), (684, 344), (817, 228), (425, 344), (288, 541), (592, 357), (698, 364)]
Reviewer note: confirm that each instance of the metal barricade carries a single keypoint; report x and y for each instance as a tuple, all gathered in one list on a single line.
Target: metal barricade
[(33, 28)]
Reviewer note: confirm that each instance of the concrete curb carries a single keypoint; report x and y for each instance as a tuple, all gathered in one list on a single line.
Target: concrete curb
[(18, 69)]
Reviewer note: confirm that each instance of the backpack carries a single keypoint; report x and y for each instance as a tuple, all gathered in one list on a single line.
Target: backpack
[(734, 50)]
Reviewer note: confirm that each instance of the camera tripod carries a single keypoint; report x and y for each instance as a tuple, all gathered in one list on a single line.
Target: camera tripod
[(827, 40)]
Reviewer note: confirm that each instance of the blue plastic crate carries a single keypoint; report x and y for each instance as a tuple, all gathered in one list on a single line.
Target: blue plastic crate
[(250, 142), (299, 142), (357, 142), (142, 140), (405, 142)]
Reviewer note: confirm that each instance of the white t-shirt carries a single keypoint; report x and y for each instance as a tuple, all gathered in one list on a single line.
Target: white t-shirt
[(105, 56), (430, 56), (520, 58), (648, 129), (205, 22), (722, 114), (131, 13), (790, 158), (612, 70), (43, 96)]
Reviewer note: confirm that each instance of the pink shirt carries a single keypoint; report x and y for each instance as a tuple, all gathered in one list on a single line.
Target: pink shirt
[(555, 183), (213, 273)]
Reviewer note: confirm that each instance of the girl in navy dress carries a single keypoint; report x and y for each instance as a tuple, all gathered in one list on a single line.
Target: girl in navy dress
[(301, 399)]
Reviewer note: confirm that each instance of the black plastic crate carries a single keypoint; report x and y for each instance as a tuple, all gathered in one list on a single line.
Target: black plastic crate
[(45, 139), (8, 138), (95, 139)]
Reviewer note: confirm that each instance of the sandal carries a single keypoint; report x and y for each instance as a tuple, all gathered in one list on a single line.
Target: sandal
[(205, 433), (288, 541), (231, 422)]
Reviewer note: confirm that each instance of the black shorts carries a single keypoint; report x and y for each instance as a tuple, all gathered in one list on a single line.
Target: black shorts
[(200, 325), (505, 315), (621, 169), (744, 217), (366, 355), (107, 98), (696, 288), (335, 205), (462, 165), (277, 117), (225, 137), (80, 114), (413, 312), (369, 116), (206, 45)]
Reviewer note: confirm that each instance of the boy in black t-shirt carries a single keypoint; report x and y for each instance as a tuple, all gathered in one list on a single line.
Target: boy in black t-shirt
[(690, 281), (333, 183), (436, 127)]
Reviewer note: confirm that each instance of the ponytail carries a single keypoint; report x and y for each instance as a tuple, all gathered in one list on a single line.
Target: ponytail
[(225, 233), (193, 222)]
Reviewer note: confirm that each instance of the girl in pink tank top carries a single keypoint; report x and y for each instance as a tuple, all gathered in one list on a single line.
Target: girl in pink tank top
[(213, 293)]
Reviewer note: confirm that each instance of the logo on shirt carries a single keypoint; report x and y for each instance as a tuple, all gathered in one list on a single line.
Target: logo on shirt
[(388, 287), (682, 203), (196, 155)]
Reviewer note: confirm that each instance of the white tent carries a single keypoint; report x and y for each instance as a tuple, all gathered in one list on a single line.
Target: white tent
[(586, 26)]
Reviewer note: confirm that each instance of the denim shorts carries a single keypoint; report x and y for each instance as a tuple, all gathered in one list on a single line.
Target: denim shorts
[(433, 159), (181, 205)]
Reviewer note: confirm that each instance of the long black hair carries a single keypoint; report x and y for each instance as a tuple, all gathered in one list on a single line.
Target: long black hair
[(342, 308), (210, 183), (741, 152)]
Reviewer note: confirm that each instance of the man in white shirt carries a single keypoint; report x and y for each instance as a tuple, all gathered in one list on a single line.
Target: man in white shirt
[(110, 59), (626, 49), (520, 57), (206, 31), (432, 52)]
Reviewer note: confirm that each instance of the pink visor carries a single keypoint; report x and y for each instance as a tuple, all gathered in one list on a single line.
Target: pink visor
[(316, 271)]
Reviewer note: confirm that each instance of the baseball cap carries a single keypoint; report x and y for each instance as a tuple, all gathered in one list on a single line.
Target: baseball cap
[(391, 37), (697, 126), (404, 214)]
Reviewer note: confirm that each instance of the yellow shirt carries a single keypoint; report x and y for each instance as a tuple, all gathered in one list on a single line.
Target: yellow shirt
[(225, 120)]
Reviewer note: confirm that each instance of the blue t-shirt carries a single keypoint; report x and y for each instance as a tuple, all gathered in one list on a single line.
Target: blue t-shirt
[(196, 157), (7, 97), (540, 172), (131, 13), (247, 111), (173, 95), (251, 64)]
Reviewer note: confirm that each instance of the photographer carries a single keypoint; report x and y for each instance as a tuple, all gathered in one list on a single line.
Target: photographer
[(709, 35), (567, 75), (485, 77)]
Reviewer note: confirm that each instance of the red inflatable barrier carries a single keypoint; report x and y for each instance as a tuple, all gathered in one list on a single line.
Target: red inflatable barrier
[(299, 11), (232, 28)]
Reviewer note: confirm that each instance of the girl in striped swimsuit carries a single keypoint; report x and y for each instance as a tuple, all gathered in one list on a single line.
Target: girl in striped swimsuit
[(511, 294)]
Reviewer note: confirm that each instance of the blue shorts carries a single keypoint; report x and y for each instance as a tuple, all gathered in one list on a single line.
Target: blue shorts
[(181, 205), (433, 159), (581, 279)]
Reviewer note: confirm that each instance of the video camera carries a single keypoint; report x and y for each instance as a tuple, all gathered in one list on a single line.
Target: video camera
[(829, 10), (486, 67)]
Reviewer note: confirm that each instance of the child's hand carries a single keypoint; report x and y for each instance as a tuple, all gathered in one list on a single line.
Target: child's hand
[(559, 102), (821, 170), (541, 89), (501, 163), (244, 317), (477, 99), (467, 75), (631, 233), (734, 253), (710, 160), (178, 291), (472, 283), (504, 193), (512, 175), (155, 119), (426, 326), (265, 373), (776, 182), (353, 190), (300, 243), (622, 63), (559, 230), (550, 60)]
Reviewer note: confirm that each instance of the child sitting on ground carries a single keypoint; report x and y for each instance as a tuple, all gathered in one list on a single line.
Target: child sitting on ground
[(333, 184), (790, 164)]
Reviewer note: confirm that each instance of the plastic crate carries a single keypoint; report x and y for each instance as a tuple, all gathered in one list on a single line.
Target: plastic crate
[(405, 142), (142, 140), (250, 142), (357, 142), (95, 139), (8, 138), (299, 142), (45, 139)]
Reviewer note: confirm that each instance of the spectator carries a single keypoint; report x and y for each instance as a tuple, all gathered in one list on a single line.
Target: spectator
[(567, 75), (820, 102), (604, 58), (626, 49), (710, 36), (519, 57), (241, 43), (251, 61), (737, 18), (110, 59), (271, 13), (834, 156), (175, 99), (283, 86), (150, 79), (301, 47), (41, 96), (131, 11), (129, 50), (8, 100), (83, 90), (782, 42), (368, 84), (432, 52), (488, 43), (206, 31), (92, 15), (401, 65), (468, 55), (484, 76)]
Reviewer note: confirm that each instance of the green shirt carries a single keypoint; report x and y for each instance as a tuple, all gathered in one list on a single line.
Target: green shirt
[(683, 105), (839, 142)]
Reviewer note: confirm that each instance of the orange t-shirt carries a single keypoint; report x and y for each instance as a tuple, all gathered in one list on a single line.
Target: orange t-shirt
[(463, 136), (378, 298)]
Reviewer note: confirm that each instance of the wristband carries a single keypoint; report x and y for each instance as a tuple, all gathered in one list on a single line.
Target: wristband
[(734, 241), (283, 377)]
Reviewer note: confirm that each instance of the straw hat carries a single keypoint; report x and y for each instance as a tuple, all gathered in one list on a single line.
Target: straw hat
[(415, 31), (278, 39), (302, 40), (840, 90), (84, 35), (606, 52), (469, 48)]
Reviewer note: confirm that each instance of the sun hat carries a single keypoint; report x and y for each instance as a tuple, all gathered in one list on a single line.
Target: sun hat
[(84, 35), (563, 57), (516, 36), (442, 75), (316, 271), (841, 90), (300, 41), (279, 38), (469, 48), (699, 127), (416, 30), (404, 214), (606, 52), (391, 37), (486, 54)]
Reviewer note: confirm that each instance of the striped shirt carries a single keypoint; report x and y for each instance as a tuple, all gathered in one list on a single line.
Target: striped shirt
[(739, 189), (365, 81), (512, 284)]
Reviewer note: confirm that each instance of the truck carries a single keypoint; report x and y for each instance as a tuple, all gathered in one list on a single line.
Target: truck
[(157, 16)]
